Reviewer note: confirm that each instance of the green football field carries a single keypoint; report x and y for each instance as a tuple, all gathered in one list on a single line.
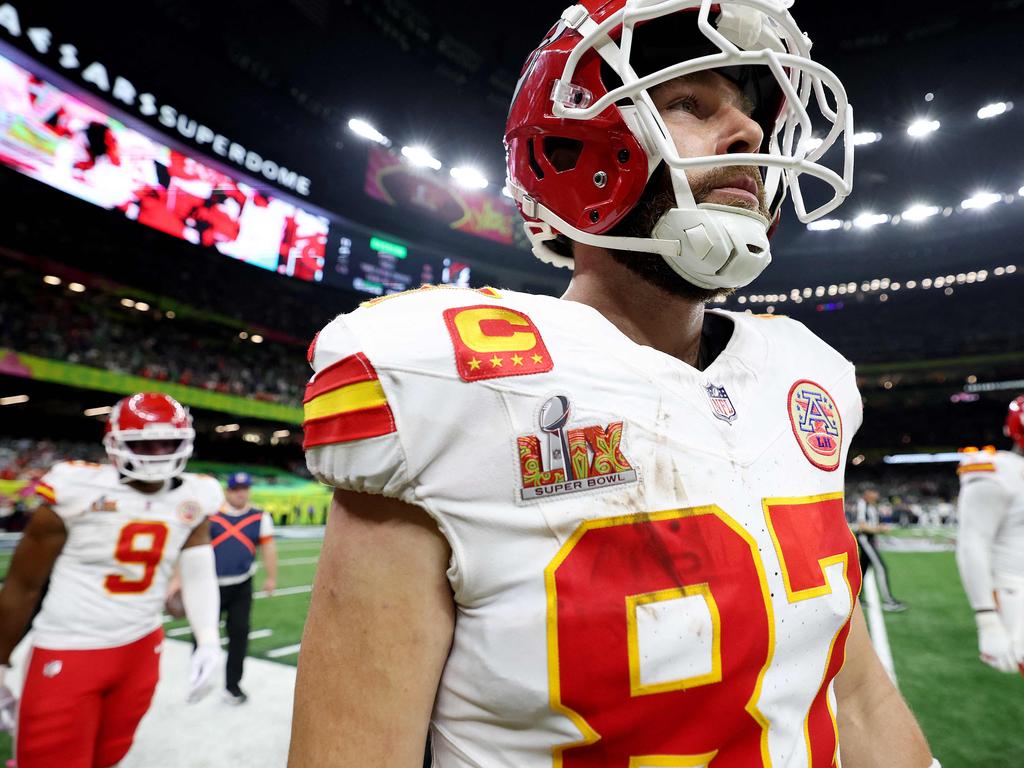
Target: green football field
[(972, 715)]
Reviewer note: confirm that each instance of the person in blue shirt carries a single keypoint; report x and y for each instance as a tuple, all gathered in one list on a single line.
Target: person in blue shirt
[(237, 531)]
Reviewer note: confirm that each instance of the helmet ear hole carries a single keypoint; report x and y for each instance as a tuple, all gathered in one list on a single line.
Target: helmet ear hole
[(562, 153), (532, 156)]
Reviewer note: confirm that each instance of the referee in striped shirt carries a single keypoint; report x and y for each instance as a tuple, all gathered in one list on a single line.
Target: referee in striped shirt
[(866, 527)]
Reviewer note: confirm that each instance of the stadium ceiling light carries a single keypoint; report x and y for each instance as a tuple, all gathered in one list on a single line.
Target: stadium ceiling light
[(170, 314), (421, 156), (920, 212), (281, 433), (920, 128), (129, 303), (367, 131), (866, 137), (825, 225), (102, 410), (980, 201), (243, 335), (76, 287), (227, 428), (994, 110), (1021, 191), (922, 458), (468, 178), (14, 400), (869, 220), (142, 306), (256, 339), (52, 280)]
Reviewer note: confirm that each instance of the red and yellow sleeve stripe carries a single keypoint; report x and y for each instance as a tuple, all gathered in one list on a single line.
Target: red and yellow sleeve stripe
[(345, 402), (46, 492), (980, 467)]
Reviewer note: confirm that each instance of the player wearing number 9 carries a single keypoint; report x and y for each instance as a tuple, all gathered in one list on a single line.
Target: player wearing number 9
[(107, 538), (672, 583)]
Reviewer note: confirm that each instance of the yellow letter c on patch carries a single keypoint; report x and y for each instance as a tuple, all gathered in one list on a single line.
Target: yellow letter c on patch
[(469, 324)]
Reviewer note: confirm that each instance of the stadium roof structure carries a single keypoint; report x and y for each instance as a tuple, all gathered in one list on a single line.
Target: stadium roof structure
[(287, 77)]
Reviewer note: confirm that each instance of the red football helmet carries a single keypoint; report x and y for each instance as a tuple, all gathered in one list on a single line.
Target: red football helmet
[(149, 437), (584, 137), (1014, 428)]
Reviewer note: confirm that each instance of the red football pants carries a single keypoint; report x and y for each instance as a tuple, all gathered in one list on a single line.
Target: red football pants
[(80, 709)]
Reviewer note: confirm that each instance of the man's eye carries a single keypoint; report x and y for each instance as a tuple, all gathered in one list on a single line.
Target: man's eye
[(687, 104)]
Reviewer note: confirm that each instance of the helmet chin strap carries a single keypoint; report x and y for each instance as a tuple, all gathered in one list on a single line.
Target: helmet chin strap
[(721, 246)]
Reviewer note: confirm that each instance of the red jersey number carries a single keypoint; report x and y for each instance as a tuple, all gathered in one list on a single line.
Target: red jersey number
[(139, 544), (611, 590)]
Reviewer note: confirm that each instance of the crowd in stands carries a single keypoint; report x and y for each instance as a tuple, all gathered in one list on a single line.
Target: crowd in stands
[(909, 495), (93, 328), (979, 319), (27, 459)]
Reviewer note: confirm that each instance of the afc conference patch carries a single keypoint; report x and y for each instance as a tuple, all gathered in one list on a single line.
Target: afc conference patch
[(817, 425)]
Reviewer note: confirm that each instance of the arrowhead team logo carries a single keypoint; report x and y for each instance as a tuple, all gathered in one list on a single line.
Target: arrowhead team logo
[(494, 342), (817, 425), (571, 460), (189, 511)]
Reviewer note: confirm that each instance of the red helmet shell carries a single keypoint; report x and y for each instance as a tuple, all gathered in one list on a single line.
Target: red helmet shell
[(1014, 428), (579, 194), (147, 408)]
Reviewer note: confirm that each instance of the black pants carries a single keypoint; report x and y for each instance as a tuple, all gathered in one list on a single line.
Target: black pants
[(870, 558), (236, 602)]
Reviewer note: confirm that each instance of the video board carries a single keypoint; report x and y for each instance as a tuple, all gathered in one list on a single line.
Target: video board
[(55, 138), (60, 140)]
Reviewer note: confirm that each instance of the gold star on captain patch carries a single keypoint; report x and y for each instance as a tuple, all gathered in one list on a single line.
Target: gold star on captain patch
[(517, 360), (474, 364), (496, 362), (537, 359)]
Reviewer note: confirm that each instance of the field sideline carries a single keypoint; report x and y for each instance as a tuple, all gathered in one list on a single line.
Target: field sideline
[(971, 714)]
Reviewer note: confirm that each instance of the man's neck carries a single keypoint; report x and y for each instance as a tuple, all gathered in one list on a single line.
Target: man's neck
[(642, 312), (148, 488)]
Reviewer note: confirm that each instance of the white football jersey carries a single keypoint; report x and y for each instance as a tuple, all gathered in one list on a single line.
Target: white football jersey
[(1001, 524), (108, 585), (651, 563)]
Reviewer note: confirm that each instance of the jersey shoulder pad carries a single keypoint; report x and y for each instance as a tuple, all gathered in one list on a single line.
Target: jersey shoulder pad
[(978, 463), (207, 489), (383, 372), (348, 423), (66, 486)]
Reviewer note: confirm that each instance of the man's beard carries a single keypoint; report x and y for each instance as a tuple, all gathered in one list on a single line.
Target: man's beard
[(659, 198)]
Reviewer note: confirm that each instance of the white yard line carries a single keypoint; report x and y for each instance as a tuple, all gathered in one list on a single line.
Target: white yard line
[(876, 624), (299, 561), (284, 591), (288, 650), (256, 634)]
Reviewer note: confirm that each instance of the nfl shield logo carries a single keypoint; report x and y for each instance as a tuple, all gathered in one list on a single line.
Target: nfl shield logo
[(721, 405)]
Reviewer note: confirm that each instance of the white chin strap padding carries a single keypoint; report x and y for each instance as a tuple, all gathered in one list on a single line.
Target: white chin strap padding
[(720, 246)]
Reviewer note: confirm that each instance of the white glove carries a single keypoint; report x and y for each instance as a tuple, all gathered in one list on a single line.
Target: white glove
[(994, 645), (205, 666), (8, 704)]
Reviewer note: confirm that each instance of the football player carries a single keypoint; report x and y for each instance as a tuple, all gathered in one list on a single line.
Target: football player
[(107, 538), (990, 545), (606, 530)]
